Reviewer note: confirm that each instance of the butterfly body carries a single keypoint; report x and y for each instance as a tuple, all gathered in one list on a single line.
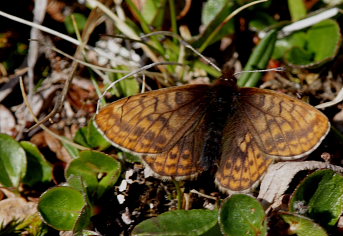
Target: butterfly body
[(182, 131), (221, 106)]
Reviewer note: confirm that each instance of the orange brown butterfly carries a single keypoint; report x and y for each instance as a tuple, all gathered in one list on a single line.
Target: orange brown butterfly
[(182, 131)]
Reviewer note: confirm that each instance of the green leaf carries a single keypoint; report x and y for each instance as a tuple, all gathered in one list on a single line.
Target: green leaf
[(81, 137), (258, 60), (326, 205), (12, 161), (80, 22), (89, 136), (211, 9), (297, 9), (128, 87), (320, 45), (179, 222), (95, 138), (298, 39), (217, 19), (40, 170), (152, 11), (302, 226), (304, 192), (214, 231), (299, 56), (90, 166), (324, 40), (261, 20), (128, 157), (77, 183), (320, 195), (61, 207), (241, 214), (83, 220), (72, 150)]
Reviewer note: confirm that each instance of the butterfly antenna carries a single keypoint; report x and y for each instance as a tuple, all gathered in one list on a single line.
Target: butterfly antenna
[(265, 70), (131, 74), (184, 43)]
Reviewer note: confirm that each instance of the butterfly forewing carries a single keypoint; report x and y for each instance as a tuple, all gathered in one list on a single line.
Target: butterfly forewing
[(283, 126), (274, 126), (153, 122)]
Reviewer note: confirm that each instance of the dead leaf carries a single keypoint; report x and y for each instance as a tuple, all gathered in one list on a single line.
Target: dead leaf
[(279, 175), (338, 120), (56, 146), (16, 208), (82, 99), (7, 121), (44, 139)]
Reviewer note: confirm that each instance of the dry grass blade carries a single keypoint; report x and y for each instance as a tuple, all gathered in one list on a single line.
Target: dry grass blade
[(65, 140)]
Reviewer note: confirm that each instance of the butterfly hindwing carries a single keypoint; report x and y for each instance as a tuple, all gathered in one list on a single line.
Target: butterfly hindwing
[(242, 163), (183, 160), (153, 122)]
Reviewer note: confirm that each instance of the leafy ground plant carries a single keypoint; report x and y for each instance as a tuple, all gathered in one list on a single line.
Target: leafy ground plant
[(64, 175)]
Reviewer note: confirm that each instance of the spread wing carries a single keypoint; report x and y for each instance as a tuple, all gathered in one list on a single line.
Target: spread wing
[(284, 127), (275, 126), (154, 122), (183, 159)]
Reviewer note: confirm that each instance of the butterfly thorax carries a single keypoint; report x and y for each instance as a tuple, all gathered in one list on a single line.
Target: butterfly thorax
[(222, 96)]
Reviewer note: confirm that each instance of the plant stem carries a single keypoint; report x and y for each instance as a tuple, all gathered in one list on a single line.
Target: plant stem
[(179, 194)]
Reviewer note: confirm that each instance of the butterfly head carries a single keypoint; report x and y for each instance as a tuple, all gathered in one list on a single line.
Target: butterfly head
[(227, 80)]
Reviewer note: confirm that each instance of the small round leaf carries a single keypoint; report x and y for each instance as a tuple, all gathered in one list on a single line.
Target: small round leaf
[(240, 215), (179, 222), (90, 165), (320, 196), (12, 161), (40, 169), (61, 207), (302, 226)]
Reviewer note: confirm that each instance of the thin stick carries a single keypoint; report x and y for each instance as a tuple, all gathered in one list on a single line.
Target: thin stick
[(143, 84), (123, 27), (227, 19), (50, 31), (62, 139), (87, 64), (186, 44), (307, 22), (131, 74), (40, 27), (94, 67), (264, 70), (203, 195), (90, 25)]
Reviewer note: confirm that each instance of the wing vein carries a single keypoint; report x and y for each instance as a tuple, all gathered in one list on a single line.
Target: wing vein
[(190, 118), (252, 125), (152, 123), (278, 116)]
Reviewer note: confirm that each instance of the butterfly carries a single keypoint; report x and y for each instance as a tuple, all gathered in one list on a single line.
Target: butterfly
[(180, 132)]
